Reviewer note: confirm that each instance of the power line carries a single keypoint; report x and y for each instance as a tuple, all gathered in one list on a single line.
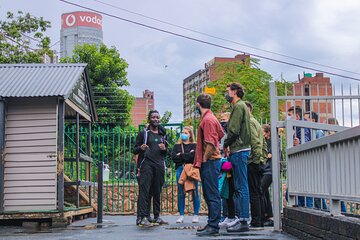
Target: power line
[(224, 39), (210, 43)]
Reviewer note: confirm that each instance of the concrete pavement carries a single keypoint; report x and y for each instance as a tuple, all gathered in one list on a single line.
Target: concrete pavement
[(123, 227)]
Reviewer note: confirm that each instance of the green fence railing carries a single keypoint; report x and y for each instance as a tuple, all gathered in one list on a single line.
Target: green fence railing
[(113, 145)]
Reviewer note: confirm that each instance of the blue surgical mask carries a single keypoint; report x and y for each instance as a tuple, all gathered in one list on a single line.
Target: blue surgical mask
[(184, 137), (288, 117), (198, 111)]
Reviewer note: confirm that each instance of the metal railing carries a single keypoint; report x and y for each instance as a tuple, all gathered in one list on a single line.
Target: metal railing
[(326, 168), (307, 166)]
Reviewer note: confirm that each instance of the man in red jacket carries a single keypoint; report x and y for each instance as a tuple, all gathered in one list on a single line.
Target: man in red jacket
[(207, 158)]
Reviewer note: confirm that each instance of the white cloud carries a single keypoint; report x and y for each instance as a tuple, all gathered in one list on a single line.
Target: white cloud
[(321, 31)]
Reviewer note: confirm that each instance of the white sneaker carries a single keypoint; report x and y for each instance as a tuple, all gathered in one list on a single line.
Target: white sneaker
[(195, 219), (226, 222), (234, 222), (180, 219)]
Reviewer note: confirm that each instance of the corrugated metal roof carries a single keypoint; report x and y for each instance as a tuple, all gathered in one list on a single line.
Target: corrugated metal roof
[(38, 80)]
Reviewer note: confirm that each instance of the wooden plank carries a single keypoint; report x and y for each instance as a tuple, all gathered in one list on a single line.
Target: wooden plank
[(82, 194), (17, 164), (30, 208), (32, 116), (29, 183), (43, 195), (32, 136), (31, 123), (30, 189), (85, 158), (25, 157), (25, 130), (31, 143), (30, 176), (31, 170), (43, 149), (29, 202), (78, 212)]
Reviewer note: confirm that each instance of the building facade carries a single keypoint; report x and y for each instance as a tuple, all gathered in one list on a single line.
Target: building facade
[(310, 85), (78, 28), (197, 81), (141, 107)]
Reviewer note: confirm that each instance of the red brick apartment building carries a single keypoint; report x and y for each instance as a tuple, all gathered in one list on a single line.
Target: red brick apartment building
[(316, 85), (141, 107), (197, 81)]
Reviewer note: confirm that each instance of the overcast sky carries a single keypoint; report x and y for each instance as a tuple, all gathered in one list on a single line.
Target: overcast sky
[(322, 31)]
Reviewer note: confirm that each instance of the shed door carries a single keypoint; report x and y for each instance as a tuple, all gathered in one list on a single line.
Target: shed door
[(30, 155)]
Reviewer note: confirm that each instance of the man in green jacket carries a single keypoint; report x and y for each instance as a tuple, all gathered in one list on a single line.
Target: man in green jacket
[(254, 174), (237, 147)]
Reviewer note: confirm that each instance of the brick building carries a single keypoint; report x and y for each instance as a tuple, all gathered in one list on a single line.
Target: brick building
[(141, 107), (197, 81), (316, 85)]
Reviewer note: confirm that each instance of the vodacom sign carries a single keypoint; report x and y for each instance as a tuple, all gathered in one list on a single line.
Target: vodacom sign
[(77, 19)]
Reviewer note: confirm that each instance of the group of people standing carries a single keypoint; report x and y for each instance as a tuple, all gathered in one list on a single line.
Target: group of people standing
[(234, 149)]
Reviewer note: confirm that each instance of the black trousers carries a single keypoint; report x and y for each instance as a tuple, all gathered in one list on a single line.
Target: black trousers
[(151, 178), (266, 208), (230, 201), (254, 180)]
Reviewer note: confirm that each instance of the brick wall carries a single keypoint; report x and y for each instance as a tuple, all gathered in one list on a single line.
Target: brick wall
[(312, 224)]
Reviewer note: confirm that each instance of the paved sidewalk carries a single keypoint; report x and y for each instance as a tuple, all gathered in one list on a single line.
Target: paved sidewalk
[(123, 227)]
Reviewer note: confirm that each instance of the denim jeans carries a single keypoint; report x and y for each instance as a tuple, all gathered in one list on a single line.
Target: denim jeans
[(181, 194), (309, 202), (320, 203), (239, 163), (210, 185)]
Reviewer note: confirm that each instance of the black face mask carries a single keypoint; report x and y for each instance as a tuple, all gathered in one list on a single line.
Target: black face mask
[(228, 98), (224, 125)]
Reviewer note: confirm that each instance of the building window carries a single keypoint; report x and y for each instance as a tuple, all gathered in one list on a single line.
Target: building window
[(307, 101)]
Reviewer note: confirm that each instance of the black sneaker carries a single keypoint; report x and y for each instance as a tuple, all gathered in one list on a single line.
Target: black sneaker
[(269, 223), (208, 231), (144, 222), (159, 221), (138, 220)]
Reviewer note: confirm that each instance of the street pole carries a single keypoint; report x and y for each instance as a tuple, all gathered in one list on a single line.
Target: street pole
[(100, 192)]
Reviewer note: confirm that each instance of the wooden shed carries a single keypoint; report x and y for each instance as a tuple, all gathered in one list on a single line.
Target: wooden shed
[(35, 100)]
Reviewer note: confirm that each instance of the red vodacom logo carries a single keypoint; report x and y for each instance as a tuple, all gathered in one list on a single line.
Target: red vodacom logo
[(76, 19), (70, 20)]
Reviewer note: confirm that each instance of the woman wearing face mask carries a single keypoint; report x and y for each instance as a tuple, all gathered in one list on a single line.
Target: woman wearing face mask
[(184, 153)]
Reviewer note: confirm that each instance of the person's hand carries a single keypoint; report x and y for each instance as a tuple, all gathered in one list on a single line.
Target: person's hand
[(144, 147), (178, 154), (227, 152), (269, 155), (296, 141), (162, 146)]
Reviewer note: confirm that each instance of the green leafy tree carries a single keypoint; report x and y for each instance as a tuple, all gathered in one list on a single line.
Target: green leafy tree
[(166, 117), (22, 38), (107, 73), (255, 81)]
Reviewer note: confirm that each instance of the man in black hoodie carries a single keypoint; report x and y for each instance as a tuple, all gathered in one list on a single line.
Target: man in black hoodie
[(151, 145)]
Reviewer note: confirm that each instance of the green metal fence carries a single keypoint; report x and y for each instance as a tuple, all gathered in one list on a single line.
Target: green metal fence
[(113, 145)]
